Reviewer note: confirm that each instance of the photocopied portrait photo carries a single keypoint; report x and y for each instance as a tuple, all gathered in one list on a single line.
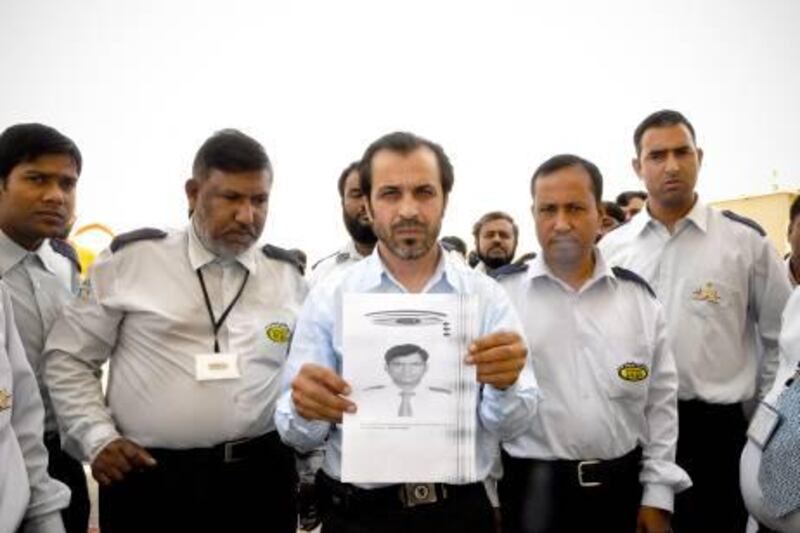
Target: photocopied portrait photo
[(403, 356), (408, 393)]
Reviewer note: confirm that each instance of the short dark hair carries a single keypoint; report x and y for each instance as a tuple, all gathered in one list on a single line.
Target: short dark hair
[(404, 143), (494, 215), (451, 242), (230, 150), (624, 198), (401, 350), (794, 210), (614, 211), (25, 142), (660, 119), (557, 162), (343, 177)]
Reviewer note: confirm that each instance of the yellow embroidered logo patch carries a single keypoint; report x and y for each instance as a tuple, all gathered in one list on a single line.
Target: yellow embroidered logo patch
[(278, 332), (707, 293), (633, 372), (5, 400)]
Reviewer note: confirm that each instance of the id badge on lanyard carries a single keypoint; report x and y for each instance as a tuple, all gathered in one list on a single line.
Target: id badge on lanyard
[(218, 365)]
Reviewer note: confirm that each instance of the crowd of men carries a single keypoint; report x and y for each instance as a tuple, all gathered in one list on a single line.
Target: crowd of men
[(614, 366)]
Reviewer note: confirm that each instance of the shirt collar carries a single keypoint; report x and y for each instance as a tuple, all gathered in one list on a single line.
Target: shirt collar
[(376, 272), (12, 254), (199, 255), (349, 251), (697, 215), (538, 268)]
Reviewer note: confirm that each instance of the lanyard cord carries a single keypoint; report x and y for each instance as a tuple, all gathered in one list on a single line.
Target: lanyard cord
[(216, 325)]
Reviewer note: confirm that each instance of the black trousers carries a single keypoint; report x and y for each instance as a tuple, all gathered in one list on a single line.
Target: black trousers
[(69, 471), (546, 496), (196, 490), (346, 509), (710, 442)]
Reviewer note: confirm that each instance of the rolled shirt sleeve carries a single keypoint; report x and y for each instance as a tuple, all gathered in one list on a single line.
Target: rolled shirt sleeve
[(769, 291), (47, 495), (660, 476), (507, 413), (78, 345), (311, 344)]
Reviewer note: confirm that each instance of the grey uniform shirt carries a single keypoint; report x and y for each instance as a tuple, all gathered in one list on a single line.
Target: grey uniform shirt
[(27, 492), (146, 314), (607, 377), (335, 263), (723, 288), (40, 282)]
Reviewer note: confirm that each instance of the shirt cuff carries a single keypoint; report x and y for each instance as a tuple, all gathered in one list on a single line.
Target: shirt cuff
[(47, 523), (300, 433), (658, 496), (499, 395), (97, 438)]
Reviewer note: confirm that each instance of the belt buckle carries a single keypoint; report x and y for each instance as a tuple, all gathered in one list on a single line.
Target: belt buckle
[(581, 482), (414, 494), (228, 451)]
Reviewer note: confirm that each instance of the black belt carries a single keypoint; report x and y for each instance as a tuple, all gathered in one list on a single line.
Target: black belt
[(226, 452), (399, 496), (594, 473)]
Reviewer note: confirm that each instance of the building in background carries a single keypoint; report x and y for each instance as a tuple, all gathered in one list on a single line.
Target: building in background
[(770, 210)]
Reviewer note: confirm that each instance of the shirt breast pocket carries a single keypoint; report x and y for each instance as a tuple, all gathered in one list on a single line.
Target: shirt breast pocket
[(709, 298), (629, 381), (275, 337), (6, 393)]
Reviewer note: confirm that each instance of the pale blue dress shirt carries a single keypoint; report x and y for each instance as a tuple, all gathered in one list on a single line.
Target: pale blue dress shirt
[(318, 340)]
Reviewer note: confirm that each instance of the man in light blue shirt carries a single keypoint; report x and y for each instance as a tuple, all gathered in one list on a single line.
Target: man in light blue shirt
[(406, 180), (39, 172)]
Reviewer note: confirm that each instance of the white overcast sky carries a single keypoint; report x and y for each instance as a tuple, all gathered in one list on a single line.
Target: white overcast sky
[(502, 85)]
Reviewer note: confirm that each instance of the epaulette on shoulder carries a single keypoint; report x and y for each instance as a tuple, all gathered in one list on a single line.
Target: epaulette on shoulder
[(274, 252), (508, 270), (627, 275), (440, 389), (375, 387), (64, 248), (145, 234), (744, 220), (315, 265)]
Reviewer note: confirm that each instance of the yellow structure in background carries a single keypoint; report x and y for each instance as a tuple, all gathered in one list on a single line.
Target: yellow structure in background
[(89, 240), (770, 210)]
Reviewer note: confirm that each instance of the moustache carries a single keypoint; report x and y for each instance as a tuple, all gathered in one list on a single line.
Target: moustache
[(243, 230), (408, 224), (564, 240)]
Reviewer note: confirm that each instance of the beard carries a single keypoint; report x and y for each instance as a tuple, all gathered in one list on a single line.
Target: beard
[(493, 261), (217, 246), (409, 248), (359, 231)]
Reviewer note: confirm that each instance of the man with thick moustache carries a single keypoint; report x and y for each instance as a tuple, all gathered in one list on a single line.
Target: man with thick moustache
[(39, 171), (723, 288), (195, 325), (356, 222), (407, 180), (600, 456)]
